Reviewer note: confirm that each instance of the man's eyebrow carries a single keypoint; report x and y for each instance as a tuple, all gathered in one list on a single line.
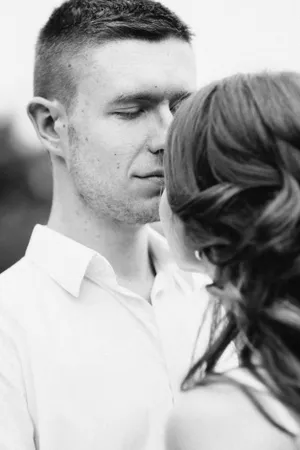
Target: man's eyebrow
[(148, 97)]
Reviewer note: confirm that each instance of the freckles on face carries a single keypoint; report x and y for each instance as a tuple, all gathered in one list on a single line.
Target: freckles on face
[(127, 94), (113, 72)]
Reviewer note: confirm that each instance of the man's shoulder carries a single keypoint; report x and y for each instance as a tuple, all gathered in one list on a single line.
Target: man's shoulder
[(19, 282), (15, 273)]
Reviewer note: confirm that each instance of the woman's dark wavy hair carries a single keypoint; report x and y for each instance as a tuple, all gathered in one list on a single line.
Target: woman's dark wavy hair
[(233, 178)]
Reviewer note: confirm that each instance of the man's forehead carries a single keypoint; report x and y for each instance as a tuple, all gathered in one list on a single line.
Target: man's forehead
[(130, 56), (130, 67)]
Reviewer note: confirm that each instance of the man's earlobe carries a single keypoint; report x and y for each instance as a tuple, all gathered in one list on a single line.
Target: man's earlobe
[(45, 115)]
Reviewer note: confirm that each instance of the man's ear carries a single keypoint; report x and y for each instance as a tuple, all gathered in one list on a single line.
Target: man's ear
[(50, 122)]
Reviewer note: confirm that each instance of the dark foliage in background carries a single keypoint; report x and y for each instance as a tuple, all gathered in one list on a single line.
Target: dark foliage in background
[(25, 194)]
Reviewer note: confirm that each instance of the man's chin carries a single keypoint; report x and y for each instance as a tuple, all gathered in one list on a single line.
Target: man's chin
[(143, 219)]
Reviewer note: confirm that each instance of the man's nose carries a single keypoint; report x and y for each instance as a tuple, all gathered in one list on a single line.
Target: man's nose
[(162, 125)]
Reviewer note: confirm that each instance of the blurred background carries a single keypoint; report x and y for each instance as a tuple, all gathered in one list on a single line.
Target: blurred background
[(231, 36)]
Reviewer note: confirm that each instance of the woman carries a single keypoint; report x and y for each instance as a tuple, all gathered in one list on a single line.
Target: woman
[(232, 203)]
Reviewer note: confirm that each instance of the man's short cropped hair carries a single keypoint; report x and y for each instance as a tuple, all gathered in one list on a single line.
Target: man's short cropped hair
[(78, 25)]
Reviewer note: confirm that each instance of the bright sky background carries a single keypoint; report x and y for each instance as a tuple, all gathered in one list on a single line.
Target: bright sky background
[(231, 36)]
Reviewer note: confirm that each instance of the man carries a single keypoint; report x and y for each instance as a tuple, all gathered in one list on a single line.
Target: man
[(96, 322)]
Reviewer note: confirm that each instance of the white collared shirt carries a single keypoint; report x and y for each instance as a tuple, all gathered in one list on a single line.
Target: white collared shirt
[(84, 363)]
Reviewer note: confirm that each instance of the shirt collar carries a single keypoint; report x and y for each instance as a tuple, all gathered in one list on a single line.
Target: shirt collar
[(63, 259), (77, 261)]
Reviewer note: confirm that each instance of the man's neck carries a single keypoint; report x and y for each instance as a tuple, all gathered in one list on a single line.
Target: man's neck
[(124, 246)]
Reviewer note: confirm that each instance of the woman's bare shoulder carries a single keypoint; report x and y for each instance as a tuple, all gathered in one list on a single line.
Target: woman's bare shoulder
[(220, 416)]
